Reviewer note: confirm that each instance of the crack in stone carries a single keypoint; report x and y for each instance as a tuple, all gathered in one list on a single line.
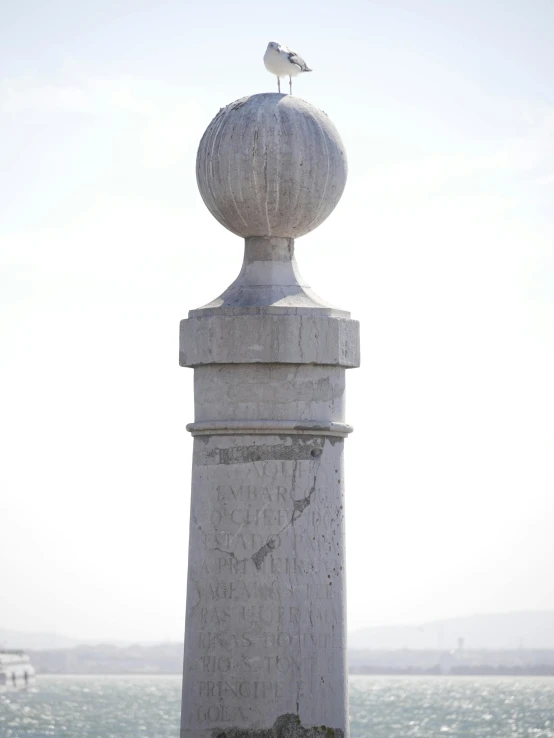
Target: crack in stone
[(260, 555), (301, 505), (229, 553), (298, 508)]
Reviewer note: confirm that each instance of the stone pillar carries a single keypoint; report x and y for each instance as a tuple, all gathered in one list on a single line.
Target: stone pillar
[(265, 650)]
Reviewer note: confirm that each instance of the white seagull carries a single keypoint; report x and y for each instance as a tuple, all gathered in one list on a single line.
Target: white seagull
[(283, 62)]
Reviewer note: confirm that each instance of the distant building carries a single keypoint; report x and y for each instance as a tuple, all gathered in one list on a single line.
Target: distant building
[(16, 671)]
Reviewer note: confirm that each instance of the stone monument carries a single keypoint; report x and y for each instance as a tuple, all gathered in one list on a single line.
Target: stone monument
[(265, 651)]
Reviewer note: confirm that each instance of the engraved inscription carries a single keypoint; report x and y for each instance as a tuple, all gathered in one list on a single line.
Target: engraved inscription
[(264, 608)]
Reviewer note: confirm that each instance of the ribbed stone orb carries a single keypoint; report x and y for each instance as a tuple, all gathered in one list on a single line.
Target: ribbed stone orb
[(271, 165)]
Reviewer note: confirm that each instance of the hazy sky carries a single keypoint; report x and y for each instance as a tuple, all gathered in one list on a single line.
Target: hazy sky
[(442, 246)]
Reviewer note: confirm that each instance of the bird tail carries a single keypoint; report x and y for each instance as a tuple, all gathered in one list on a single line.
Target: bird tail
[(308, 69)]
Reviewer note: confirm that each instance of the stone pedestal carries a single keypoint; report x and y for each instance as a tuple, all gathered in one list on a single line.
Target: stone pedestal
[(265, 651)]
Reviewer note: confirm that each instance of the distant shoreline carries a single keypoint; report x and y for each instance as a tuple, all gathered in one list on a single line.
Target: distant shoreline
[(416, 675), (167, 659)]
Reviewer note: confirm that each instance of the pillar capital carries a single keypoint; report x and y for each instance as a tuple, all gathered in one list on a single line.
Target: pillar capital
[(269, 315)]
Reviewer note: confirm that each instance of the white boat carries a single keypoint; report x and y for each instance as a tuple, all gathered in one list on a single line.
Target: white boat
[(16, 670)]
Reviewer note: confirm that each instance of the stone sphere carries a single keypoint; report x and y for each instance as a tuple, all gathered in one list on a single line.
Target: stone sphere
[(271, 165)]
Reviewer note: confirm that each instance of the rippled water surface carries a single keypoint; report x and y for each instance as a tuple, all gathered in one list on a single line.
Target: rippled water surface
[(465, 707), (380, 707)]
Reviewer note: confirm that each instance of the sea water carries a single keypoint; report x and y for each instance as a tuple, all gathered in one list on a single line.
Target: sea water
[(380, 707)]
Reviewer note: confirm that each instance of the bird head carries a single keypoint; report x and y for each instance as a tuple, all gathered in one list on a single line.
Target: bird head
[(274, 45)]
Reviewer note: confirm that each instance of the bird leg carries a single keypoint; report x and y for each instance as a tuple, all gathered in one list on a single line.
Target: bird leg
[(290, 85), (279, 84)]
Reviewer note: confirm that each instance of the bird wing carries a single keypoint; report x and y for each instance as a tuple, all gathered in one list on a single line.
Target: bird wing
[(295, 58)]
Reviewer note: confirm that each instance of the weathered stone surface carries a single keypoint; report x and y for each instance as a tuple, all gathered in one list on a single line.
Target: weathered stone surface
[(265, 598), (269, 339), (286, 726), (269, 392), (271, 165)]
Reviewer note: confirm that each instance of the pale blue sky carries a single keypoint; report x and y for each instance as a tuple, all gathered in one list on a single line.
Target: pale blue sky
[(442, 246)]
